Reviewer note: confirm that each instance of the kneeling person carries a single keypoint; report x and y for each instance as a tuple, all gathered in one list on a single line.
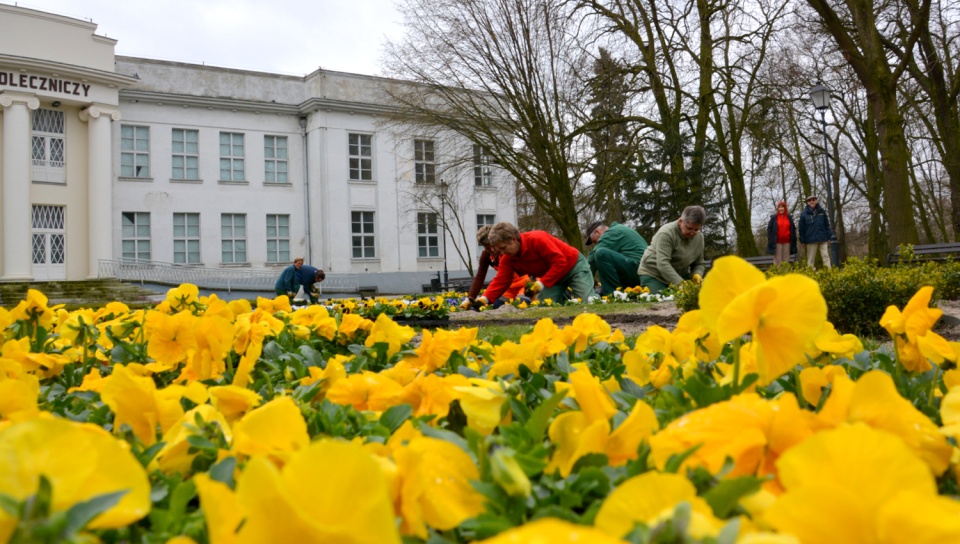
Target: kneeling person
[(539, 254), (675, 253), (615, 256)]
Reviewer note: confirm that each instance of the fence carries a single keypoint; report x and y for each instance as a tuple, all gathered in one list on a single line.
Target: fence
[(229, 279)]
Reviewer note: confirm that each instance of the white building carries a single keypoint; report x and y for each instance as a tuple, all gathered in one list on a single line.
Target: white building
[(110, 158)]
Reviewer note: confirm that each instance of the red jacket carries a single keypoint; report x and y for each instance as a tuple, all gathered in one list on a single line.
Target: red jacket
[(541, 255), (486, 261)]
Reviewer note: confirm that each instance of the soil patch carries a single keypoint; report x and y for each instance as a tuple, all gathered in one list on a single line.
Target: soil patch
[(631, 323)]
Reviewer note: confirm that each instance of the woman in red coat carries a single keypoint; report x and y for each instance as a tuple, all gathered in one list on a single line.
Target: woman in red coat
[(491, 258), (781, 235)]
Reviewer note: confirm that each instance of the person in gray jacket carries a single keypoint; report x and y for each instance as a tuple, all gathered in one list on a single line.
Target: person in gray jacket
[(814, 232), (675, 253)]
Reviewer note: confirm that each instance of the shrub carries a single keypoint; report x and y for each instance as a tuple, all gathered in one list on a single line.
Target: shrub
[(858, 294)]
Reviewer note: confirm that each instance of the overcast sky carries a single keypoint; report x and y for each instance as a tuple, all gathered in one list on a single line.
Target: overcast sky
[(283, 36)]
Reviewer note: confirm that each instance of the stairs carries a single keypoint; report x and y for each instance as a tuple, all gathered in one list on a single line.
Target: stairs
[(80, 294)]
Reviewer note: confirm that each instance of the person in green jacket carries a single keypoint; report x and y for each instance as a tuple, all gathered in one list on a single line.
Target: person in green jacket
[(675, 253), (615, 256)]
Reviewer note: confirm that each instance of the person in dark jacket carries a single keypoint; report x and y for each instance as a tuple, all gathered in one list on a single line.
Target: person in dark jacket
[(310, 278), (616, 255), (814, 230), (781, 235), (289, 281)]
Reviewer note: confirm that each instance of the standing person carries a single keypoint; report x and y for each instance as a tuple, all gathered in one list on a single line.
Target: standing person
[(616, 255), (814, 231), (781, 235), (675, 253), (310, 279), (289, 281), (556, 265), (491, 258)]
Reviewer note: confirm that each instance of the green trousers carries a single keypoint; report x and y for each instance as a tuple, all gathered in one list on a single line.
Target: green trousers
[(579, 280), (653, 284), (615, 270)]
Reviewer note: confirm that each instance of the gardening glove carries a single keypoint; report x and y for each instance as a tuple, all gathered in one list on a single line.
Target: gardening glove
[(697, 278), (480, 302), (291, 294), (465, 305), (536, 287)]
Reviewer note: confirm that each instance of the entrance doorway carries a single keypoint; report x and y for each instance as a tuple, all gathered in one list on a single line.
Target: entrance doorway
[(49, 247)]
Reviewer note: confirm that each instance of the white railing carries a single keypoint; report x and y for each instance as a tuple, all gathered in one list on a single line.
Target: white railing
[(229, 279)]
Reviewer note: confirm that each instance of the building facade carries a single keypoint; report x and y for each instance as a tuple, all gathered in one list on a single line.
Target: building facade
[(107, 157)]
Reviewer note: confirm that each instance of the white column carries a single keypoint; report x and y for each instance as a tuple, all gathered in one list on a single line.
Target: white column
[(17, 246), (99, 193)]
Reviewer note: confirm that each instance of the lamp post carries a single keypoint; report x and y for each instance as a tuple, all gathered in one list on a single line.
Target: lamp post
[(820, 95), (443, 225)]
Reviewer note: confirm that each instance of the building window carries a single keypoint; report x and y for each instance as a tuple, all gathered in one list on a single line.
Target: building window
[(275, 159), (360, 151), (186, 154), (278, 238), (231, 156), (135, 236), (363, 235), (47, 142), (428, 239), (424, 163), (186, 238), (134, 151), (233, 238), (482, 173)]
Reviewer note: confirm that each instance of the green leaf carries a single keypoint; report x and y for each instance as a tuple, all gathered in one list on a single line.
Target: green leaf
[(82, 513), (537, 423), (677, 459), (394, 416), (10, 505), (723, 497), (201, 443), (223, 471)]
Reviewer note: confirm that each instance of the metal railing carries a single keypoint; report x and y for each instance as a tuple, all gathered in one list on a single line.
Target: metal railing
[(229, 279)]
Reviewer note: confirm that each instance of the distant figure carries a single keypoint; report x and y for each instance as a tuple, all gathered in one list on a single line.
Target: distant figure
[(616, 255), (289, 281), (491, 257), (781, 235), (814, 231), (310, 279), (675, 253), (556, 265)]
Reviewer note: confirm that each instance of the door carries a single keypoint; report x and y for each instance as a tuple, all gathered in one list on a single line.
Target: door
[(49, 243)]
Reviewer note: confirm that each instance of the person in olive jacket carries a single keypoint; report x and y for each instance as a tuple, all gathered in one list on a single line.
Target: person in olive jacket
[(814, 229), (781, 235)]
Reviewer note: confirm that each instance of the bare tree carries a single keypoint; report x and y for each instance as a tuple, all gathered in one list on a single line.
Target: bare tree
[(507, 75)]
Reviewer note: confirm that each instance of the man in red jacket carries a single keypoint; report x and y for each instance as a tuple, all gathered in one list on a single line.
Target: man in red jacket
[(556, 265)]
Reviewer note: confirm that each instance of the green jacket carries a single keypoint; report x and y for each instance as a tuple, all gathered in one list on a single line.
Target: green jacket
[(619, 238), (671, 258), (289, 281)]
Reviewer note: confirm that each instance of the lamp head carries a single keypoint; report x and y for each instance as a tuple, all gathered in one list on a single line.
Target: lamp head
[(820, 94)]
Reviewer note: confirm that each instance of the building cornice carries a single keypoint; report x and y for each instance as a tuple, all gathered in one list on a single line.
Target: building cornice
[(110, 79), (311, 105), (171, 99)]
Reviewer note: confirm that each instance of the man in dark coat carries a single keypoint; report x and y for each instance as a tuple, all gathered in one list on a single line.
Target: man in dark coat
[(815, 232)]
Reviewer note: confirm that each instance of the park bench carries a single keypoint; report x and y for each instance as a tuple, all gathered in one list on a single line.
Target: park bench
[(929, 252), (454, 284), (762, 262)]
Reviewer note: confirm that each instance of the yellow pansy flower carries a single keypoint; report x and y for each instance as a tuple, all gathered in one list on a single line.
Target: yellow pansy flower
[(552, 531), (183, 297), (860, 485), (782, 313), (365, 391), (651, 498), (18, 397), (286, 505), (387, 331), (482, 403), (232, 401), (170, 338), (277, 428), (435, 488), (80, 461), (916, 344), (175, 456)]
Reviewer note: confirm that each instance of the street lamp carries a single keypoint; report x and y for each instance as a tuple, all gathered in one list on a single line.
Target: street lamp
[(443, 225), (820, 94)]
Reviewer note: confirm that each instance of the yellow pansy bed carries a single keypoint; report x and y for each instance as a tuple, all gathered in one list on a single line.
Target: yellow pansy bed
[(753, 421)]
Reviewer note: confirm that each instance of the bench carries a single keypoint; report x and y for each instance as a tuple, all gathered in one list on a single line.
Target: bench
[(928, 252), (762, 262), (456, 284), (368, 291)]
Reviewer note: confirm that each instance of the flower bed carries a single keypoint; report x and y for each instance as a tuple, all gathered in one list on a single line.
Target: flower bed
[(207, 421)]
